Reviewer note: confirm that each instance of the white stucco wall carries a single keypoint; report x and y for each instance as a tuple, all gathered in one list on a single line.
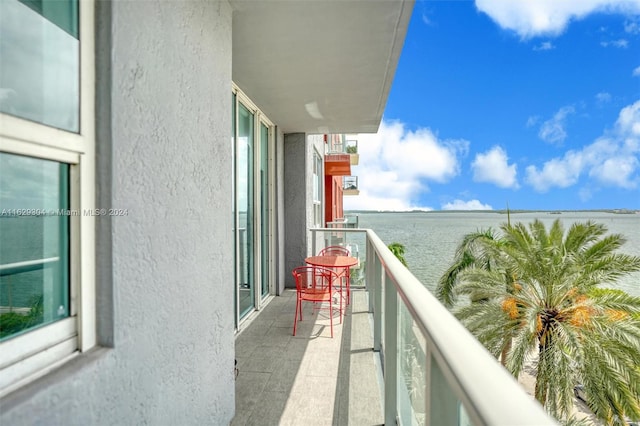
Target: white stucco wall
[(296, 191), (171, 319), (299, 151)]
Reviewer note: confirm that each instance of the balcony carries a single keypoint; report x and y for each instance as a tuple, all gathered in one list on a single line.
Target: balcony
[(352, 150), (348, 221), (338, 144), (337, 165), (399, 357), (350, 185)]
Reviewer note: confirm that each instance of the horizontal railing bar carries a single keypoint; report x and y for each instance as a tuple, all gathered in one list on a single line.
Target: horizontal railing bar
[(356, 230), (26, 266)]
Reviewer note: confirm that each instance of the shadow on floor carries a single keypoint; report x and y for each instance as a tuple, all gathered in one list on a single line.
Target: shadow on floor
[(310, 378)]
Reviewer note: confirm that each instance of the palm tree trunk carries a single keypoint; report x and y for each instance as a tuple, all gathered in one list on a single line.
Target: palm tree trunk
[(541, 379), (505, 350)]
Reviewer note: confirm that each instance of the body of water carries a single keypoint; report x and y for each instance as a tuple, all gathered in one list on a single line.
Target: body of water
[(431, 238)]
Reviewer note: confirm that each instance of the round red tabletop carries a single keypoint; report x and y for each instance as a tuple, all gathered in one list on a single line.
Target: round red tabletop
[(332, 261)]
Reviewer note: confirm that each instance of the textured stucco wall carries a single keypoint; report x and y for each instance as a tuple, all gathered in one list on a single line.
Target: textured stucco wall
[(298, 198), (171, 276), (297, 185)]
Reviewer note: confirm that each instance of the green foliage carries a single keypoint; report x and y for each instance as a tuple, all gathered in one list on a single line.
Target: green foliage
[(13, 322), (398, 251), (352, 149), (538, 292)]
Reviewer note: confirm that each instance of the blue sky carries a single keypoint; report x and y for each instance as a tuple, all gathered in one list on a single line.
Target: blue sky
[(534, 104)]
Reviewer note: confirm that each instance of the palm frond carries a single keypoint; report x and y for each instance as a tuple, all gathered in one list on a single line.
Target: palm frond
[(537, 292)]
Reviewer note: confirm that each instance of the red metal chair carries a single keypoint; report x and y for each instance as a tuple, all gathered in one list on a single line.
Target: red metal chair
[(315, 284), (344, 273), (334, 251)]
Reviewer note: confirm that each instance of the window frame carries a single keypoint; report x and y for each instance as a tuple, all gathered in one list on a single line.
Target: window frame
[(26, 357), (318, 186)]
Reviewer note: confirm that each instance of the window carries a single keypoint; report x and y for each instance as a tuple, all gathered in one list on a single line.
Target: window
[(318, 177), (47, 186)]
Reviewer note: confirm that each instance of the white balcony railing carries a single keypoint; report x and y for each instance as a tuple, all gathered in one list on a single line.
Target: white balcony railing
[(435, 372)]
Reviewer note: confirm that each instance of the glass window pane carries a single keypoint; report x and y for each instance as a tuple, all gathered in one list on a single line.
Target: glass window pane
[(411, 370), (34, 243), (39, 61), (245, 207)]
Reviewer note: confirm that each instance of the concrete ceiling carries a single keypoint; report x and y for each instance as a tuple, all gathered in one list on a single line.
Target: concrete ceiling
[(319, 66)]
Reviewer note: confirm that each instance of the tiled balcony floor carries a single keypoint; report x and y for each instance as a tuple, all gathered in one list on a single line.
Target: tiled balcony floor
[(309, 379)]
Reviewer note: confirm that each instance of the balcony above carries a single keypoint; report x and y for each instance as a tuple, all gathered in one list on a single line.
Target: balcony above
[(336, 144), (350, 185), (352, 149), (337, 164)]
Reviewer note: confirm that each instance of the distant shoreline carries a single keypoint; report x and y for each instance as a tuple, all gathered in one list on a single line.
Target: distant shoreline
[(504, 211)]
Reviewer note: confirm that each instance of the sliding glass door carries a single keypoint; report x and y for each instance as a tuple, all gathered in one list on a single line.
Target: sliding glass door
[(252, 144)]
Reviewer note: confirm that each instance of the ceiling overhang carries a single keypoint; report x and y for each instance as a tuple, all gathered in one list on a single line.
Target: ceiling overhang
[(319, 66)]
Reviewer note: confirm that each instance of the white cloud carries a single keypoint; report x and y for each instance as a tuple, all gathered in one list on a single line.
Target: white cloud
[(399, 164), (632, 27), (533, 120), (621, 43), (493, 167), (556, 172), (553, 130), (466, 205), (636, 72), (616, 171), (546, 45), (426, 19), (531, 18), (612, 160), (603, 97)]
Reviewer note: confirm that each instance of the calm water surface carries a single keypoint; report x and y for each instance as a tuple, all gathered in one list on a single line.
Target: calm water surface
[(431, 238)]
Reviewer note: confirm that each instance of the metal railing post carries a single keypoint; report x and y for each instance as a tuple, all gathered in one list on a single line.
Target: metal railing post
[(390, 352), (370, 284), (378, 278), (313, 242)]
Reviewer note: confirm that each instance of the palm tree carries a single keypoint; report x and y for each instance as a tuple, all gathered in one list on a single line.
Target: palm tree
[(477, 250), (480, 249), (555, 309), (398, 251)]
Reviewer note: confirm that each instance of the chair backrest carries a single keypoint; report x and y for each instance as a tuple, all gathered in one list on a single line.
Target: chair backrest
[(334, 251), (313, 279)]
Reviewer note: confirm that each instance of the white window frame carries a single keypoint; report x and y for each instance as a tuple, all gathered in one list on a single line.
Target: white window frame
[(318, 189), (26, 357)]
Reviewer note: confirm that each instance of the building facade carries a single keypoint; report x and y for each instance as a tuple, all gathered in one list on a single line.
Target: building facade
[(156, 158)]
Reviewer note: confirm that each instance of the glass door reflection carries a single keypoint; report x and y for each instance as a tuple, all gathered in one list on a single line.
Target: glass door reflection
[(244, 196)]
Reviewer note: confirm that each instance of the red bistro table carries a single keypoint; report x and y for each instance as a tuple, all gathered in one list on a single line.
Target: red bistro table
[(336, 262)]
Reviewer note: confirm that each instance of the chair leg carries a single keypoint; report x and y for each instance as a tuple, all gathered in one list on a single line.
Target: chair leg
[(300, 309), (295, 318), (341, 306), (331, 315), (348, 278)]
